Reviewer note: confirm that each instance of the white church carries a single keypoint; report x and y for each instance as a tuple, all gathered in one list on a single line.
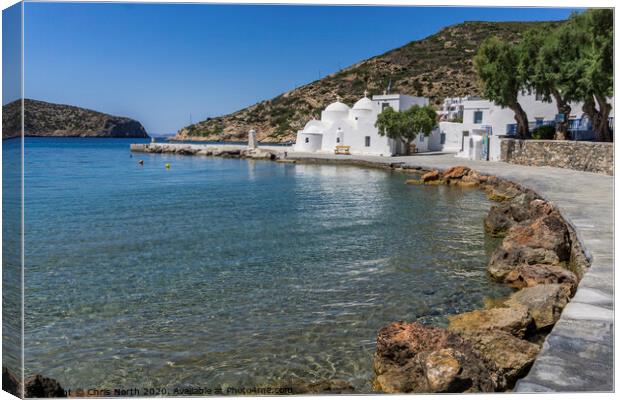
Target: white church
[(469, 127), (353, 130)]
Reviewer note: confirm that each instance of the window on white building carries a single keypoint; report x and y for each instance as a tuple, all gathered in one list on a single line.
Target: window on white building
[(337, 140), (367, 141), (384, 105), (477, 117), (307, 140)]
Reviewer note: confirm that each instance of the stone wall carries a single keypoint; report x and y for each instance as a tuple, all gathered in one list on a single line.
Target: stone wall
[(581, 156)]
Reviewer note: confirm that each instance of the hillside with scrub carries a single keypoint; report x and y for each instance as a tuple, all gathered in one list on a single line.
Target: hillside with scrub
[(438, 66)]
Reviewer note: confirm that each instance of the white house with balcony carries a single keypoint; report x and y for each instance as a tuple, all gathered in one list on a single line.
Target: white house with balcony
[(484, 123), (354, 128)]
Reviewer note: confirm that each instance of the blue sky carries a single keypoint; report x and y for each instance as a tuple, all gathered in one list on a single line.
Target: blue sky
[(159, 63)]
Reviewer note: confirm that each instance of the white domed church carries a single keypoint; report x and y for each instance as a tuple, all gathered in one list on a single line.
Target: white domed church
[(352, 129)]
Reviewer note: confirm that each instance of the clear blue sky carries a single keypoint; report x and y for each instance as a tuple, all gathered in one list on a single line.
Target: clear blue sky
[(159, 63)]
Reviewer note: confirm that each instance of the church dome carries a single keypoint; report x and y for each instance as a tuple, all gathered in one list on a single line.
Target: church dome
[(337, 106), (363, 104)]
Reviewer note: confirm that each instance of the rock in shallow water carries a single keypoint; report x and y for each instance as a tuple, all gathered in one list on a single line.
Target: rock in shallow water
[(411, 357), (504, 216), (514, 320), (457, 172), (41, 386), (430, 176), (36, 386)]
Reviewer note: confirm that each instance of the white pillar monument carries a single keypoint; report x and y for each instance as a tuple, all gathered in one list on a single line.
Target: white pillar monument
[(252, 144)]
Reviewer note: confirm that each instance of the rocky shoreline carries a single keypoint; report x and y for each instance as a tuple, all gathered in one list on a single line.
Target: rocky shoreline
[(35, 386), (486, 350)]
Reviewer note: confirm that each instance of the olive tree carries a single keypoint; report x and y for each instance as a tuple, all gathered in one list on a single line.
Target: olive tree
[(544, 54), (405, 126), (594, 66), (501, 79)]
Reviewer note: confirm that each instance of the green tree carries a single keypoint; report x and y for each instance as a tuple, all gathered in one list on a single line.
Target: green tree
[(501, 79), (405, 126), (594, 67), (544, 53)]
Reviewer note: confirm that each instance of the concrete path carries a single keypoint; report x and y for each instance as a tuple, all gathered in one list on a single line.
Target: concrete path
[(578, 354)]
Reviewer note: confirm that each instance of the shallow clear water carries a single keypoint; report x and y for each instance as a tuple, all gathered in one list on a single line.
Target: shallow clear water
[(226, 272)]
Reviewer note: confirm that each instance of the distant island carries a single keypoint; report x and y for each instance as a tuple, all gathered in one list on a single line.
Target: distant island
[(60, 120), (436, 67)]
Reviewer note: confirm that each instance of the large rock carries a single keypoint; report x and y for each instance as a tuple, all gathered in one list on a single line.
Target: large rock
[(545, 240), (514, 320), (499, 220), (10, 383), (531, 275), (457, 172), (512, 356), (411, 357), (506, 215), (500, 190), (543, 302), (548, 232), (540, 208), (506, 258), (430, 176), (41, 386)]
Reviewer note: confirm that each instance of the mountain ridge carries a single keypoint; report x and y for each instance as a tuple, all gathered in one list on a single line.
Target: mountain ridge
[(438, 66)]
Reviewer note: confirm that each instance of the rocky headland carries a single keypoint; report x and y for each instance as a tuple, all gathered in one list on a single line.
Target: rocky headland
[(59, 120)]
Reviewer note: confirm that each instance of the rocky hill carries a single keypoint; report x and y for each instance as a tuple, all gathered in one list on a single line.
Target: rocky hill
[(438, 66), (49, 119)]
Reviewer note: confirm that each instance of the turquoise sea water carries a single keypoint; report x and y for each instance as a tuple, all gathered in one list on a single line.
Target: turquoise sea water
[(227, 273)]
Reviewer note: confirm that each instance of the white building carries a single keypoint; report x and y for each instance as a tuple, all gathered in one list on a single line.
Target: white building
[(484, 123), (452, 108), (341, 125)]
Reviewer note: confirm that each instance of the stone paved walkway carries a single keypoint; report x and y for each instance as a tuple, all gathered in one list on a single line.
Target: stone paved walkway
[(578, 354)]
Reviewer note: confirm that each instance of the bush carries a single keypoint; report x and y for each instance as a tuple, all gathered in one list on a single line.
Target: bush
[(545, 132)]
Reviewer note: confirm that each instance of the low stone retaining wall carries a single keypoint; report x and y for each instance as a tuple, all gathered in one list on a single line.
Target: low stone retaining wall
[(581, 156)]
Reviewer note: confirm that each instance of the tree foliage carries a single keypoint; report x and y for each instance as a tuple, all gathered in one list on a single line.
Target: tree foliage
[(406, 125), (501, 79), (570, 63), (594, 66)]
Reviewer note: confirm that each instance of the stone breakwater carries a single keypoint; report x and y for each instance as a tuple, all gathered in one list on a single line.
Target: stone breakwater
[(581, 156), (226, 151), (488, 350)]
